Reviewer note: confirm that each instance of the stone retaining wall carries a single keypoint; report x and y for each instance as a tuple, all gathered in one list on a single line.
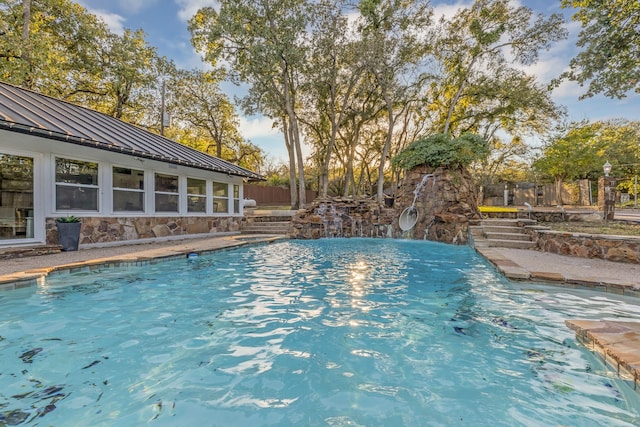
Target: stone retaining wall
[(110, 229), (547, 215), (610, 248)]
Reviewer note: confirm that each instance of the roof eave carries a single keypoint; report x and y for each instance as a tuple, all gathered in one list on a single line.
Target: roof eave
[(89, 142)]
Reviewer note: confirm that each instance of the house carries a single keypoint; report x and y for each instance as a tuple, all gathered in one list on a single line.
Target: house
[(125, 183)]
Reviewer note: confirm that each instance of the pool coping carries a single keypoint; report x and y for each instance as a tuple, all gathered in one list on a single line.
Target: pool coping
[(616, 342), (513, 271), (180, 250)]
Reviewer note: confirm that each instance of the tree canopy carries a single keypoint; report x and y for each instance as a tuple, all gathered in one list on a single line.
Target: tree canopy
[(443, 150), (360, 82), (609, 61), (58, 48)]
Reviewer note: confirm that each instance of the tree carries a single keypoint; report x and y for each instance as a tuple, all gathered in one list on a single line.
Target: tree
[(573, 151), (198, 101), (48, 45), (610, 38), (508, 160), (332, 75), (393, 42), (127, 77), (262, 43), (478, 88)]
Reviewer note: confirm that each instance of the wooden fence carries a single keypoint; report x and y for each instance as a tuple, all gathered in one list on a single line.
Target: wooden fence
[(578, 193), (273, 196)]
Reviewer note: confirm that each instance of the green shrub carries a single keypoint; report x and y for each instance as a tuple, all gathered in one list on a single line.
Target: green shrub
[(443, 150), (68, 218)]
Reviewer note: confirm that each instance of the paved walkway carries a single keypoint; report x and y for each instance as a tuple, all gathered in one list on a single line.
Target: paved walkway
[(20, 272), (616, 341)]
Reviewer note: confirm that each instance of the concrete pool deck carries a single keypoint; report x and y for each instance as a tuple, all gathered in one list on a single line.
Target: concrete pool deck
[(617, 342)]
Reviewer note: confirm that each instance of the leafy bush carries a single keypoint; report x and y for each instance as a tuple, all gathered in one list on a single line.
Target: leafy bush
[(443, 150), (68, 218)]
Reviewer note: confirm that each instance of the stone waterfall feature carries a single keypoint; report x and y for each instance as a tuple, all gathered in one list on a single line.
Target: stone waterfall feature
[(342, 217), (444, 207), (446, 204)]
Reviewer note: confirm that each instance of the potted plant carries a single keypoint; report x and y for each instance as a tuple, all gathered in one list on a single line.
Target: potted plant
[(69, 232)]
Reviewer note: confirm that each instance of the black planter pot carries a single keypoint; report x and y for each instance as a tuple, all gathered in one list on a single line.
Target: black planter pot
[(69, 235)]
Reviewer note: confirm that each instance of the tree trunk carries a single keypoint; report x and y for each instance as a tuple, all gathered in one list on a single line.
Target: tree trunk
[(295, 135), (292, 164), (302, 188), (26, 46), (336, 122), (350, 181), (559, 185), (385, 150)]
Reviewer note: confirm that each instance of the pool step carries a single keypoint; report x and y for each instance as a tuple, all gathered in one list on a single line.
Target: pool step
[(507, 236), (267, 227), (267, 222), (503, 233)]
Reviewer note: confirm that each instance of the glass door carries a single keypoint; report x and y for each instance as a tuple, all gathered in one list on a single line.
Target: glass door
[(16, 197)]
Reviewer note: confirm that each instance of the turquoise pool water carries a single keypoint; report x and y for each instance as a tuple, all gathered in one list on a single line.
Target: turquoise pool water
[(335, 332)]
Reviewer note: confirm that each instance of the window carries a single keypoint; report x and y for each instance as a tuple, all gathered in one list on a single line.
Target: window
[(166, 192), (196, 195), (76, 185), (16, 197), (128, 190), (220, 197), (236, 198)]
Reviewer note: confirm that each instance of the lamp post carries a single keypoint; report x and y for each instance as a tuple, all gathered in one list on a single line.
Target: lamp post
[(609, 201)]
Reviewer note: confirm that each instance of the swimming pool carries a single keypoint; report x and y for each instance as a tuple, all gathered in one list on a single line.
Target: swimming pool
[(333, 332)]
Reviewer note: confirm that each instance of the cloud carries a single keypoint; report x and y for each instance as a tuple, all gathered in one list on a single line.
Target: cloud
[(257, 127), (188, 8), (114, 21), (449, 10), (135, 6)]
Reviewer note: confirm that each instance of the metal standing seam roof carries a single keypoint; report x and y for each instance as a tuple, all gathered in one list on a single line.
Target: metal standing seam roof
[(25, 111)]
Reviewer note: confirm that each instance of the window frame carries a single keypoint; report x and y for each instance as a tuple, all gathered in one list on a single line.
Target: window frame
[(156, 193), (93, 187), (204, 196), (115, 188), (220, 199)]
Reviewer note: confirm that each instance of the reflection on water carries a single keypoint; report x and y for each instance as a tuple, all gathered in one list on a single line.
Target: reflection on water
[(331, 332)]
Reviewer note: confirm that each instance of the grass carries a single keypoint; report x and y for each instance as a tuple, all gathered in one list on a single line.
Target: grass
[(616, 228)]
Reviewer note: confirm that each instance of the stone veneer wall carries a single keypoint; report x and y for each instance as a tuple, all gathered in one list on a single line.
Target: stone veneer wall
[(547, 215), (111, 229), (610, 248)]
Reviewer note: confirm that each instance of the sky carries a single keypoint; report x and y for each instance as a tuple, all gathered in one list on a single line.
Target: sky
[(165, 23)]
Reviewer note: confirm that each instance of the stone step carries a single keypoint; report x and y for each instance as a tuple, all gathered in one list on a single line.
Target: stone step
[(503, 229), (512, 244), (508, 236), (280, 227), (268, 223), (263, 231), (508, 222)]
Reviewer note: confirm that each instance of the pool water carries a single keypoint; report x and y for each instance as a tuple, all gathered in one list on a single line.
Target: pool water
[(334, 332)]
